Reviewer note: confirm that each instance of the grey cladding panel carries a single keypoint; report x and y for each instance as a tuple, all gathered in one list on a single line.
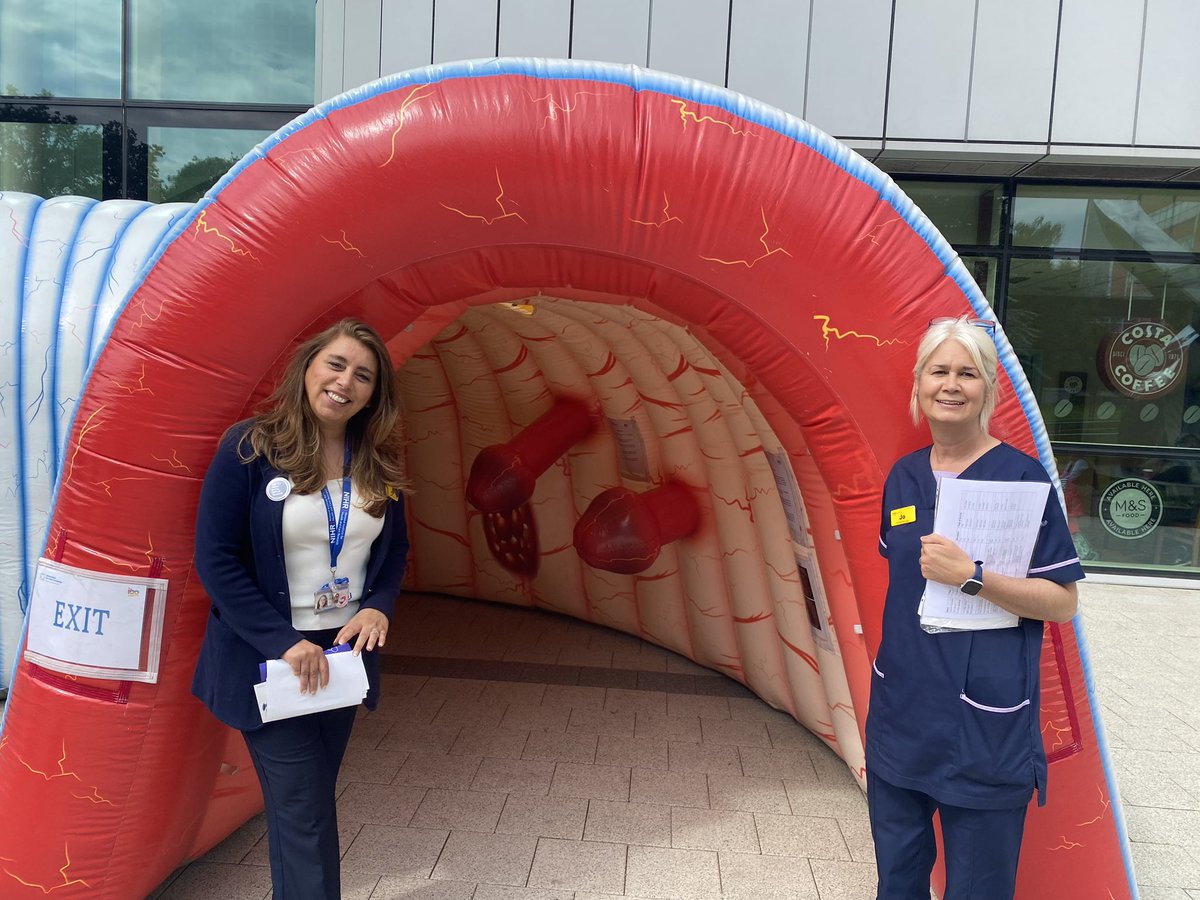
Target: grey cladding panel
[(407, 41), (690, 37), (611, 30), (362, 42), (1098, 58), (768, 51), (931, 70), (847, 66), (535, 28), (1170, 60), (464, 29), (1012, 80)]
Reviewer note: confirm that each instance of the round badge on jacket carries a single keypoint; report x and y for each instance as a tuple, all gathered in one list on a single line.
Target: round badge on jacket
[(278, 488)]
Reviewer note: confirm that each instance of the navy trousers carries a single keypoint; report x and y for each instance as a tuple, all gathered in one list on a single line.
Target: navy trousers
[(297, 761), (981, 845)]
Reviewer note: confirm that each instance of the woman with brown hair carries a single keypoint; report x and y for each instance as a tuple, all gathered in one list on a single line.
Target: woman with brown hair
[(301, 546)]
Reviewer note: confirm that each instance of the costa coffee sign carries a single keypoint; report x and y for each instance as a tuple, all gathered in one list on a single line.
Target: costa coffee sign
[(1141, 360)]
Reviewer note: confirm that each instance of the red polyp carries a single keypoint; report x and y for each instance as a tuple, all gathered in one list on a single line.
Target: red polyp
[(503, 476), (623, 531)]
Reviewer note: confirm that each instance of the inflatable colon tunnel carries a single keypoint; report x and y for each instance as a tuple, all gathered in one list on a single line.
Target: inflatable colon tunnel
[(732, 298)]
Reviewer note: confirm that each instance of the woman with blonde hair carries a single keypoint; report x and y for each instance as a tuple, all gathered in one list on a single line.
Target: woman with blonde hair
[(953, 725), (301, 546)]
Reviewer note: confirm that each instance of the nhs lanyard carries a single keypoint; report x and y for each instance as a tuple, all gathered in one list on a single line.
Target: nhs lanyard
[(337, 529)]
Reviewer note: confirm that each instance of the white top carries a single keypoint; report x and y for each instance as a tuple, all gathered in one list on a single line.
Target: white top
[(306, 553)]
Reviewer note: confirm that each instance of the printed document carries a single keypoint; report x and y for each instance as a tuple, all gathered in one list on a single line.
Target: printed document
[(994, 521), (279, 694)]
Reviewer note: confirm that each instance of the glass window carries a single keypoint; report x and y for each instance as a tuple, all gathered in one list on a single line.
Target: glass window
[(983, 270), (1131, 510), (60, 48), (1110, 348), (964, 213), (1155, 220), (223, 51), (186, 162), (51, 159)]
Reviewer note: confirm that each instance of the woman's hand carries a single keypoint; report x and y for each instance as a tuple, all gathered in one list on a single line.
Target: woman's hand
[(368, 630), (309, 664), (944, 561)]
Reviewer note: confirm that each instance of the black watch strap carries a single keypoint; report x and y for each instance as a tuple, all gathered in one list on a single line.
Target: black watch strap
[(974, 584)]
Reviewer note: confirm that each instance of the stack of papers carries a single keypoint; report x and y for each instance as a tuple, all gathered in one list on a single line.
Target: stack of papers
[(995, 521), (279, 694)]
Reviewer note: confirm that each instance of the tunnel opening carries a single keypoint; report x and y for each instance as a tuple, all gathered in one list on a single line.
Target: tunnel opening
[(742, 595)]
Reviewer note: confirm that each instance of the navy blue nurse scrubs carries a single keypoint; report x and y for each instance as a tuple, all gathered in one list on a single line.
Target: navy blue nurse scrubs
[(953, 721)]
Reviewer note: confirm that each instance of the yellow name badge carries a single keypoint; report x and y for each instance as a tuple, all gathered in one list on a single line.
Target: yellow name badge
[(904, 515)]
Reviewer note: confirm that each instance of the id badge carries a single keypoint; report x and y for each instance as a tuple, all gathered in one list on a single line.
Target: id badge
[(323, 599), (341, 592)]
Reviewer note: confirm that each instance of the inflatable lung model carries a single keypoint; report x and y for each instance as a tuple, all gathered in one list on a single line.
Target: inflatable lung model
[(734, 298)]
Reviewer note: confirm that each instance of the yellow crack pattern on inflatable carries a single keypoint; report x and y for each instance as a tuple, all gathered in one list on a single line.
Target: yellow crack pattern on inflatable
[(83, 433), (665, 216), (141, 382), (202, 227), (344, 243), (554, 106), (762, 239), (685, 114), (66, 882), (827, 330), (499, 199), (413, 96)]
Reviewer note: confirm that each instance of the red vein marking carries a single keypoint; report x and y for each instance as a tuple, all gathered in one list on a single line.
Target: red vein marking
[(450, 534), (750, 620), (804, 656)]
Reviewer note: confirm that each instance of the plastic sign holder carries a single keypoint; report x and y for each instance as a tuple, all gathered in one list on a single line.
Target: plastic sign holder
[(95, 624)]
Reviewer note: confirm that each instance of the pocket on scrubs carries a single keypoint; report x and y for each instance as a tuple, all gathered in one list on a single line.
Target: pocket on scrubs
[(995, 746), (996, 709)]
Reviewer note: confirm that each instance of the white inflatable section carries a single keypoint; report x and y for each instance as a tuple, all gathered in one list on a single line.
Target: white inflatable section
[(66, 266)]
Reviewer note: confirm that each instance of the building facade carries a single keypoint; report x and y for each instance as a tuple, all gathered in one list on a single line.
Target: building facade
[(1055, 143)]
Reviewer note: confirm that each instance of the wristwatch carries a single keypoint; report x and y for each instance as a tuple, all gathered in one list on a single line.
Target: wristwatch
[(974, 584)]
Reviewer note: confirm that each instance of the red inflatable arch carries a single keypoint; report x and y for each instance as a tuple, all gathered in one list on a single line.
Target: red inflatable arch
[(735, 294)]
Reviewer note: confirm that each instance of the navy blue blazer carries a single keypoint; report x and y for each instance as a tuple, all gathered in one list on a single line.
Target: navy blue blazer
[(239, 558)]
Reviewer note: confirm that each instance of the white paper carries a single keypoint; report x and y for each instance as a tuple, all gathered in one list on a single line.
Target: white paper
[(93, 623), (994, 521), (279, 696)]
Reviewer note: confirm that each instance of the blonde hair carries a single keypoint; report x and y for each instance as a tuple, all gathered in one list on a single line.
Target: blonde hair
[(286, 433), (982, 350)]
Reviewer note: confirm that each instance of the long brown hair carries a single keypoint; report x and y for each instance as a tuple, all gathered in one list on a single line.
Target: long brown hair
[(286, 433)]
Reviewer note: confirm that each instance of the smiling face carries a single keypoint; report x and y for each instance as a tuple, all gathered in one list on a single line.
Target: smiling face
[(339, 382), (950, 389)]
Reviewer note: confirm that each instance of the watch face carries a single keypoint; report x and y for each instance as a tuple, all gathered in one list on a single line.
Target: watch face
[(971, 587)]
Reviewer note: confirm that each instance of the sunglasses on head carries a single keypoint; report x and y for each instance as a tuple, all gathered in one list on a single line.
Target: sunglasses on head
[(986, 324)]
